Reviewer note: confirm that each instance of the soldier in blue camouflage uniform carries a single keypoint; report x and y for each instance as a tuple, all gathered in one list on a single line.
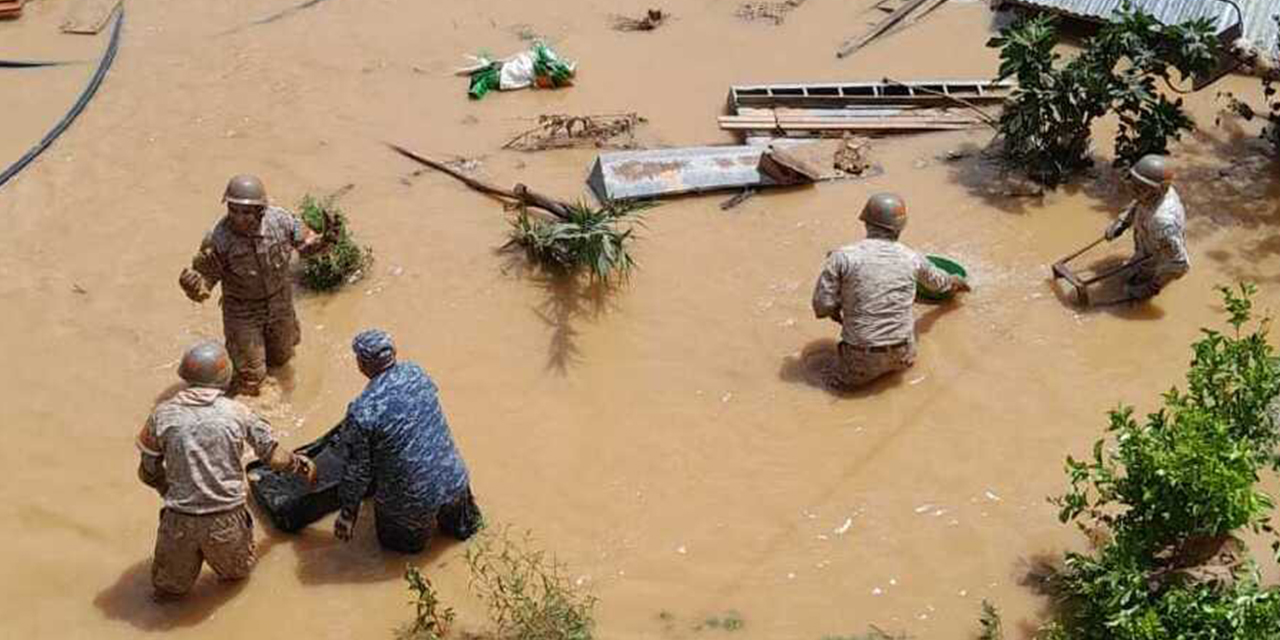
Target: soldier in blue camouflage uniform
[(400, 442)]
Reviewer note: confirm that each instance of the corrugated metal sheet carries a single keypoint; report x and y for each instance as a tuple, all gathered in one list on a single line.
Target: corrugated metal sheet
[(1259, 24), (630, 175)]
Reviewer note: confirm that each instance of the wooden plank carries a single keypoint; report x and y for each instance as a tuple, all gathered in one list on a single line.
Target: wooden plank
[(88, 16), (853, 44)]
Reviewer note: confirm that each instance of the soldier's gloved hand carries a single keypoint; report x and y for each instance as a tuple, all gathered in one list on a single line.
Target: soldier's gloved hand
[(960, 284), (192, 284), (344, 526)]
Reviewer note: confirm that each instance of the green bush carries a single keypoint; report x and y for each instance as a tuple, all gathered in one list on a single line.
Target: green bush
[(343, 263), (528, 595), (594, 240), (1181, 481), (430, 620), (1046, 124)]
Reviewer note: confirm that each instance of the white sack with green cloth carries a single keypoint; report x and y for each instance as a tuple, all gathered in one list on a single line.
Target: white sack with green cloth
[(539, 66)]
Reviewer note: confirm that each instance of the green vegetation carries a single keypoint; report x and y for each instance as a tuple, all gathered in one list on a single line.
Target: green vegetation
[(594, 240), (1165, 503), (992, 625), (344, 262), (528, 595), (1046, 125), (731, 621), (430, 621)]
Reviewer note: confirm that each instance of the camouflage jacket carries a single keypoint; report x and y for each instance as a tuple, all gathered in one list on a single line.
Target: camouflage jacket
[(400, 441), (872, 283), (250, 267), (199, 437)]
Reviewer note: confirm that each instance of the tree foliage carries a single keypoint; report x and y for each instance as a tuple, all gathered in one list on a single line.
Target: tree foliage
[(1186, 475), (1047, 123)]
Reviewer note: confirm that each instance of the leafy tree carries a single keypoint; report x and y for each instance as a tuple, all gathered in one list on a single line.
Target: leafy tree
[(1046, 124), (1167, 500)]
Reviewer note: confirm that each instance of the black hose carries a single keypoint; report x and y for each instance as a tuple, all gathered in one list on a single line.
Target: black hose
[(25, 64), (107, 58)]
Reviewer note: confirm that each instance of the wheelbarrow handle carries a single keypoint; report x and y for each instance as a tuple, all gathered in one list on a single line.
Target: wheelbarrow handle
[(1077, 254)]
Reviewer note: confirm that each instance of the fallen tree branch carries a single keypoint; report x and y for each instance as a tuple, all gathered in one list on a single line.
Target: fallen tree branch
[(520, 193)]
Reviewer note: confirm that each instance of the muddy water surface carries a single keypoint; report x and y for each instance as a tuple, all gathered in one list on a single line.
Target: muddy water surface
[(668, 442)]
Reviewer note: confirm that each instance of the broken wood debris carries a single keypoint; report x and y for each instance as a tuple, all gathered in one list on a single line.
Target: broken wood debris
[(886, 106), (884, 92), (88, 17), (774, 11), (11, 9), (851, 156), (652, 19), (563, 131), (520, 194), (853, 44)]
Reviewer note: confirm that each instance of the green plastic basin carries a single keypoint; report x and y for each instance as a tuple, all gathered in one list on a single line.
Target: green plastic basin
[(946, 264)]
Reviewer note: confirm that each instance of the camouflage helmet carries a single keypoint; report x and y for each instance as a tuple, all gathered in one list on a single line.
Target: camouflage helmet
[(206, 364), (885, 210), (1153, 170), (245, 189)]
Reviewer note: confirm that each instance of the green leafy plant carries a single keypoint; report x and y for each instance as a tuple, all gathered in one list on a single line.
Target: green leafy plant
[(731, 621), (594, 240), (344, 262), (527, 593), (992, 625), (1046, 124), (1166, 502), (430, 620)]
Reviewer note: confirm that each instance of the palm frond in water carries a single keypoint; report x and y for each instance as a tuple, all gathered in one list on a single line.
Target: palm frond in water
[(594, 240)]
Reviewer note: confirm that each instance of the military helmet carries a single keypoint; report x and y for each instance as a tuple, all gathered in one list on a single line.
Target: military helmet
[(1153, 170), (885, 210), (206, 364), (245, 189)]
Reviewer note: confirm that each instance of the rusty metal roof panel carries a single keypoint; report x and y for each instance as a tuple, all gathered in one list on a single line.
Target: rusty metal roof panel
[(1259, 25), (633, 175)]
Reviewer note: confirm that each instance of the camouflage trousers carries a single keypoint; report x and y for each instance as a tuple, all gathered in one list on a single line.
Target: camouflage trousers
[(861, 365), (459, 519), (184, 542), (260, 334)]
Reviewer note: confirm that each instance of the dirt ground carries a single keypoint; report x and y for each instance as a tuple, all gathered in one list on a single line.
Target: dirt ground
[(667, 442)]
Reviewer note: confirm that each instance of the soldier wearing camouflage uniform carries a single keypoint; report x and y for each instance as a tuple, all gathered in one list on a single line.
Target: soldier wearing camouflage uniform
[(1159, 229), (248, 251), (868, 287), (399, 441), (191, 449)]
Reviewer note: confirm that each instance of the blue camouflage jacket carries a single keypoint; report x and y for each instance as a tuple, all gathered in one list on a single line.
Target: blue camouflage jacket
[(399, 440)]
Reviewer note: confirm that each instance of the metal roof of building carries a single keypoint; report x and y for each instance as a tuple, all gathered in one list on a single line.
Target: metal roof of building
[(1259, 22)]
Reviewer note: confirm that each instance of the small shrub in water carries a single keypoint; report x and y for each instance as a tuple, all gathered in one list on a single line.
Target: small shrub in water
[(342, 263), (430, 620), (992, 625), (593, 239), (528, 595)]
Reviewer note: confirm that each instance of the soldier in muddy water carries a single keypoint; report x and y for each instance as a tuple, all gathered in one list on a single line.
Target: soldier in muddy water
[(248, 252), (868, 288)]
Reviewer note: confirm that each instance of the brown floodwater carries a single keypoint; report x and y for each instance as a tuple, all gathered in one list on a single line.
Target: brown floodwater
[(668, 441)]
